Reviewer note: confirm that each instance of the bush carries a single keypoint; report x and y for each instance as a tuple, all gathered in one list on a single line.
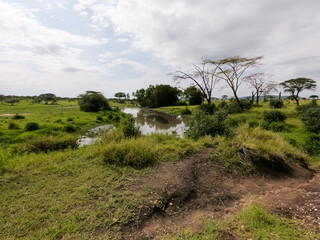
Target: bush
[(276, 126), (137, 153), (48, 143), (234, 121), (246, 104), (17, 116), (13, 126), (276, 104), (202, 124), (128, 128), (312, 144), (186, 111), (70, 128), (93, 102), (233, 107), (274, 116), (70, 119), (208, 108), (31, 126), (311, 119), (253, 123), (304, 108)]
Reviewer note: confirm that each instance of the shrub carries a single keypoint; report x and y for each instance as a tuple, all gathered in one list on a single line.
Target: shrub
[(128, 127), (137, 153), (222, 105), (246, 104), (234, 121), (202, 124), (70, 119), (208, 108), (70, 128), (48, 143), (181, 103), (274, 116), (186, 111), (233, 107), (31, 126), (311, 119), (253, 123), (17, 116), (13, 126), (276, 104), (304, 108), (276, 126), (99, 119), (93, 102), (312, 144)]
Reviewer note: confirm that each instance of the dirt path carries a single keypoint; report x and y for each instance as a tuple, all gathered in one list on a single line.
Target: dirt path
[(185, 193)]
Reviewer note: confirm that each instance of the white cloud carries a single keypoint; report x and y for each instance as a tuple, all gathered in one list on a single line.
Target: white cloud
[(181, 32)]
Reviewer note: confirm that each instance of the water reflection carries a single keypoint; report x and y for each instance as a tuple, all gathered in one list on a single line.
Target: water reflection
[(151, 121)]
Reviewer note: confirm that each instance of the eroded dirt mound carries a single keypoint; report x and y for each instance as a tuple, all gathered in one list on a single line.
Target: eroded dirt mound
[(183, 194)]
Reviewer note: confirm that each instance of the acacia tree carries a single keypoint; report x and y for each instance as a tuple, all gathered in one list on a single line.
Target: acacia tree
[(202, 76), (270, 87), (297, 85), (259, 82), (232, 70), (121, 96)]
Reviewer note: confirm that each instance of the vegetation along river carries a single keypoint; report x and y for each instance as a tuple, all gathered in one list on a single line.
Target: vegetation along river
[(149, 121)]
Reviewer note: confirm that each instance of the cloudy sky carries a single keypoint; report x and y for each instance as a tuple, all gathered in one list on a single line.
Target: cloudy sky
[(69, 46)]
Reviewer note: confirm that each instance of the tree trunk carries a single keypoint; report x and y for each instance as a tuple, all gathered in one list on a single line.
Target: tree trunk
[(238, 100), (279, 96), (252, 97), (258, 97)]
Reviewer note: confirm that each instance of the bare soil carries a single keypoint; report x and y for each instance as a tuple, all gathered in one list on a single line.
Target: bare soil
[(183, 194)]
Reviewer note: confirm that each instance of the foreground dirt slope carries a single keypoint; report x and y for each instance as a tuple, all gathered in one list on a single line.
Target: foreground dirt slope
[(185, 193)]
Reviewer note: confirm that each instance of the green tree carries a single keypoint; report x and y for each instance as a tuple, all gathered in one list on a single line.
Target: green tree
[(93, 101), (47, 97), (157, 96), (12, 100), (121, 96), (193, 95), (314, 97), (297, 85), (232, 69)]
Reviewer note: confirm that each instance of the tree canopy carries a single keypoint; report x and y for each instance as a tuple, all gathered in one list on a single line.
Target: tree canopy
[(232, 70), (193, 95), (157, 96), (93, 101), (203, 76), (297, 85)]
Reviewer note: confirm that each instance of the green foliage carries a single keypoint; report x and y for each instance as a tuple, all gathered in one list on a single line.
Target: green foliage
[(202, 124), (208, 108), (276, 103), (128, 127), (233, 107), (297, 85), (193, 95), (48, 143), (255, 223), (69, 128), (186, 111), (274, 120), (312, 144), (157, 96), (13, 126), (311, 119), (276, 126), (137, 153), (93, 102), (31, 126), (17, 117), (246, 104), (265, 145)]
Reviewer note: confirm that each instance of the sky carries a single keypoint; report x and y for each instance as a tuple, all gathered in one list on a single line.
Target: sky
[(66, 47)]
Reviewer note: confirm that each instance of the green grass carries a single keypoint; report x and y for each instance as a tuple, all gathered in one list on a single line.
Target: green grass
[(74, 194), (253, 222), (177, 110)]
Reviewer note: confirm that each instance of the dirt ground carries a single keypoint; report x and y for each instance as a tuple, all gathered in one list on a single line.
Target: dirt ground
[(183, 194)]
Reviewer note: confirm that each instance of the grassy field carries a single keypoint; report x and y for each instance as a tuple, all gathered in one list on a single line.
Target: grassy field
[(71, 193)]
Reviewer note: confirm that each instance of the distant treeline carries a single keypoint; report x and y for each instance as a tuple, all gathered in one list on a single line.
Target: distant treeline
[(47, 98)]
